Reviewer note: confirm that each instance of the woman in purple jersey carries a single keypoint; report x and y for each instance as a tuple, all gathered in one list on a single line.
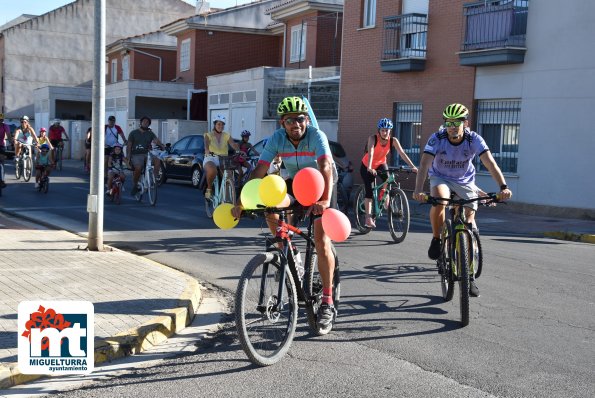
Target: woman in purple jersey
[(448, 159)]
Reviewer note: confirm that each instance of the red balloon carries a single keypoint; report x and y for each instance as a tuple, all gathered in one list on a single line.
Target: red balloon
[(308, 185), (336, 225)]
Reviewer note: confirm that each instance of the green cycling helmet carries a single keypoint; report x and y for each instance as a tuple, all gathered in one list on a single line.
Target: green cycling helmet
[(291, 105), (456, 111)]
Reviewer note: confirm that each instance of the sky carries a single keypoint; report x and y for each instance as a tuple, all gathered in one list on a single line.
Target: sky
[(13, 8)]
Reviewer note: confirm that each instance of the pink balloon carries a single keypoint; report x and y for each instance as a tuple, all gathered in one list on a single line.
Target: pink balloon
[(336, 225), (308, 185)]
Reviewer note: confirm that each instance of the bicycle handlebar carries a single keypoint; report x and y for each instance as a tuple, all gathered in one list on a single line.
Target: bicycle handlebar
[(492, 197), (398, 169)]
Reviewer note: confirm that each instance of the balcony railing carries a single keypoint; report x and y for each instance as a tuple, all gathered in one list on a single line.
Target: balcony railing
[(405, 38), (494, 32)]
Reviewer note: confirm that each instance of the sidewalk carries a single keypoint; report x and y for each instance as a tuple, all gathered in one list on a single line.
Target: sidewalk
[(507, 219), (138, 303)]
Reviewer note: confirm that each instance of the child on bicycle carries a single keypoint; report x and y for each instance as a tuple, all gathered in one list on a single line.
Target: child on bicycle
[(43, 162), (115, 165), (448, 159), (245, 148), (374, 160)]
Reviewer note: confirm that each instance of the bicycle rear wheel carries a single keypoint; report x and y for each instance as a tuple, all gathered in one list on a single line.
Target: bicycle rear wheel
[(18, 169), (444, 262), (359, 210), (313, 288), (27, 168), (265, 325), (152, 190), (398, 215), (463, 261), (478, 254), (141, 189)]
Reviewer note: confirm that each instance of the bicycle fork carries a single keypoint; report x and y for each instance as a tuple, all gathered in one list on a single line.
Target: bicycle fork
[(460, 231)]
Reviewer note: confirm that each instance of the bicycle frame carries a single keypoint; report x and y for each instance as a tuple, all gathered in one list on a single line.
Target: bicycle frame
[(283, 235)]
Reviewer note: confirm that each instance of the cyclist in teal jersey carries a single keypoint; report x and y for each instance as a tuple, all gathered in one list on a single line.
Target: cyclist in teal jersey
[(299, 146)]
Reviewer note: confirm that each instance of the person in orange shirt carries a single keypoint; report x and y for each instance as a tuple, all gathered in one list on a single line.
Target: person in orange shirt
[(374, 160)]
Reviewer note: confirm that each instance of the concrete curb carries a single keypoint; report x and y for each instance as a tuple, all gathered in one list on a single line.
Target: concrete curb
[(134, 340), (571, 236)]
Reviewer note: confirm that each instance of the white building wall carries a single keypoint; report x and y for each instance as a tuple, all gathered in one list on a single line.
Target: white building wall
[(57, 48), (556, 84), (247, 80)]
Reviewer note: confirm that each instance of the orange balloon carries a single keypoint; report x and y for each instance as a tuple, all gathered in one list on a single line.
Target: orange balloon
[(336, 225), (308, 185)]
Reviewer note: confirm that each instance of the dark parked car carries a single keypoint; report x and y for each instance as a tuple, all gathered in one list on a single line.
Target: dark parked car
[(184, 160)]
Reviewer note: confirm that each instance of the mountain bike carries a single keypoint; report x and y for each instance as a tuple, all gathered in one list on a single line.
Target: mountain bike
[(44, 183), (24, 163), (147, 182), (396, 206), (461, 259), (271, 288), (224, 185)]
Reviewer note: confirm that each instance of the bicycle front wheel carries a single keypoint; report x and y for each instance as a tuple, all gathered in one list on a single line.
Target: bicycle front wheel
[(398, 215), (444, 262), (152, 190), (313, 287), (60, 158), (229, 192), (46, 185), (463, 261), (359, 210), (27, 169), (265, 323)]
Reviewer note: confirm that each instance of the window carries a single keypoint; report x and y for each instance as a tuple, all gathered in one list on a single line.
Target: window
[(197, 144), (498, 122), (185, 55), (125, 67), (408, 131), (369, 13), (298, 43), (114, 71)]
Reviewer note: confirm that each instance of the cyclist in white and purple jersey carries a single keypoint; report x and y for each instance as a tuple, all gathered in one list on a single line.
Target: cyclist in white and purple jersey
[(301, 146), (448, 159)]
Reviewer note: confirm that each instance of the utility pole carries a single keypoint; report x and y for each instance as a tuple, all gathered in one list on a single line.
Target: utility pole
[(95, 197)]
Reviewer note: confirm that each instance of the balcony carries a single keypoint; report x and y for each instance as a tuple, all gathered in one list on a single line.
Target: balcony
[(405, 39), (494, 33)]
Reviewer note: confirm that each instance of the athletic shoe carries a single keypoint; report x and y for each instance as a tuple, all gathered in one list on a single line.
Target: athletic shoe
[(370, 223), (208, 193), (326, 315), (434, 250), (473, 289)]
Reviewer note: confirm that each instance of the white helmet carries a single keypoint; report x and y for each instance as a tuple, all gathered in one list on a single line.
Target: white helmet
[(219, 118)]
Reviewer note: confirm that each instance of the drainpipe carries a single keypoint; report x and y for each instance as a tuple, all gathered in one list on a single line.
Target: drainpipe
[(149, 55)]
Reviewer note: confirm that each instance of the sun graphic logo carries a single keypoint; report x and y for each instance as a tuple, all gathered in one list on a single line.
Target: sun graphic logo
[(56, 337)]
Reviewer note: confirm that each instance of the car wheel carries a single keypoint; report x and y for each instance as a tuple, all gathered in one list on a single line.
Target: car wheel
[(196, 176)]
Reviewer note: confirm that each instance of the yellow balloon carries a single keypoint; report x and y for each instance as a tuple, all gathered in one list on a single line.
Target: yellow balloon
[(272, 190), (223, 218), (250, 197)]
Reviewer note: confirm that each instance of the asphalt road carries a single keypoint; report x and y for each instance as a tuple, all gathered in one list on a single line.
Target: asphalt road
[(531, 332)]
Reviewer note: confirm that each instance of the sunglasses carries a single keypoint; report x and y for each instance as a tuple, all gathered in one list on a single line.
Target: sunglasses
[(454, 124), (292, 120)]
